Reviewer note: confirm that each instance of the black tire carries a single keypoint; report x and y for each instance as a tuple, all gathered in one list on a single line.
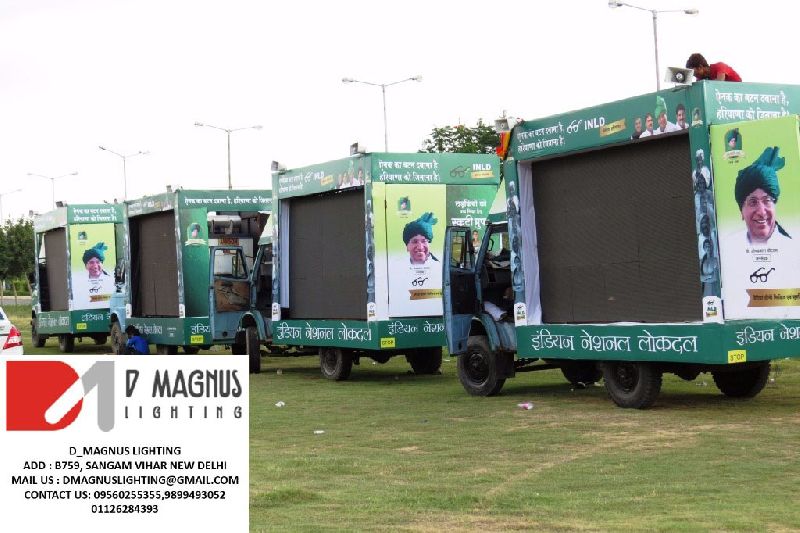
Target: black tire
[(36, 339), (191, 350), (66, 343), (100, 338), (632, 385), (744, 383), (253, 349), (166, 349), (239, 346), (118, 339), (581, 374), (477, 368), (425, 360), (335, 363)]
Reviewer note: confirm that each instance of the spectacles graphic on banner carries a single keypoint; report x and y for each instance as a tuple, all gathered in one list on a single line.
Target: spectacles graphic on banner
[(760, 276), (459, 172)]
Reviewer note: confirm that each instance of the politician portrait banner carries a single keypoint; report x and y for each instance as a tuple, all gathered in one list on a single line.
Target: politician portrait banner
[(92, 260), (757, 189)]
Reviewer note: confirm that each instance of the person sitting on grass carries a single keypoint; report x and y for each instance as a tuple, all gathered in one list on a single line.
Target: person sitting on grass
[(136, 345)]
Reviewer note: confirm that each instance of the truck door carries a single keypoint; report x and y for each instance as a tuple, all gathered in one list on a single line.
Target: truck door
[(261, 285), (459, 290), (229, 295)]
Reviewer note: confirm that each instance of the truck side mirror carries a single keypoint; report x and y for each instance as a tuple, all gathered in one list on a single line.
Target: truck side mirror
[(31, 278), (119, 272)]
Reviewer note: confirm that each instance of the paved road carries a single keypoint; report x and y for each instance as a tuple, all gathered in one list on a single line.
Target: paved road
[(8, 299)]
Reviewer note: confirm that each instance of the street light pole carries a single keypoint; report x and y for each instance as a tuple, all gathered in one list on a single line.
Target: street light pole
[(228, 132), (2, 220), (124, 167), (383, 87), (53, 182), (614, 4)]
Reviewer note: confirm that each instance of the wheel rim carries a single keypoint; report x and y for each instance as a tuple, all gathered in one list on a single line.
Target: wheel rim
[(328, 360), (627, 376), (477, 367)]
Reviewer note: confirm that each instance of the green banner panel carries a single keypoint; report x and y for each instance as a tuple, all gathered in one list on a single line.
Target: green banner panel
[(74, 322), (729, 343), (378, 335)]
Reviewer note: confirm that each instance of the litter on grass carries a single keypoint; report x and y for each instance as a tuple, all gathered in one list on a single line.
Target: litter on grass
[(526, 405), (280, 404)]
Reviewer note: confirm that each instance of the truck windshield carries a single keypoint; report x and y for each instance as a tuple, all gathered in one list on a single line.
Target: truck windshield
[(229, 263)]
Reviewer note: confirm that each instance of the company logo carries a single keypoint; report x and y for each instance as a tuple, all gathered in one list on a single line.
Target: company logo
[(761, 275), (48, 395)]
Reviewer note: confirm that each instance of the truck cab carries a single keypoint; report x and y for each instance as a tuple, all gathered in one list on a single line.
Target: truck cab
[(479, 307), (254, 329)]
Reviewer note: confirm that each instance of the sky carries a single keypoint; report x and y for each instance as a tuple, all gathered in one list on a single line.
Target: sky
[(135, 75)]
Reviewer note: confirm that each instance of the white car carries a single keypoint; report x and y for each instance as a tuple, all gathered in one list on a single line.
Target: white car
[(10, 338)]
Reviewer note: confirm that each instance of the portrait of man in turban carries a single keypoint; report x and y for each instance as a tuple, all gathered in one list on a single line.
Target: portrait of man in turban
[(93, 289), (757, 191), (760, 255), (417, 235)]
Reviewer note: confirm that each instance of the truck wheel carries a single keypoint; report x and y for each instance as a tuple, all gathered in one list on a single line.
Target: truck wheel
[(100, 338), (744, 383), (66, 343), (191, 350), (581, 373), (166, 349), (335, 363), (253, 349), (425, 360), (118, 339), (239, 346), (477, 368), (633, 385), (36, 339)]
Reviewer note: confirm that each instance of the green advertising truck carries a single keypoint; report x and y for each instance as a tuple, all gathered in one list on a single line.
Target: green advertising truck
[(76, 249), (655, 234), (357, 245), (187, 266)]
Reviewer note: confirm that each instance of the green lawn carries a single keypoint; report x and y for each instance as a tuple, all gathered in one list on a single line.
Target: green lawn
[(391, 450)]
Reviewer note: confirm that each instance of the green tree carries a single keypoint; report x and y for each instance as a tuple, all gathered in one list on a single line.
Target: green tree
[(481, 139), (16, 252)]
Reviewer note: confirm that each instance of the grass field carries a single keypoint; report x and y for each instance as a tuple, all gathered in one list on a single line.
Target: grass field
[(391, 450)]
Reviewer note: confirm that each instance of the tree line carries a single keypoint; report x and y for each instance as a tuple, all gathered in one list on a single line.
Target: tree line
[(16, 254)]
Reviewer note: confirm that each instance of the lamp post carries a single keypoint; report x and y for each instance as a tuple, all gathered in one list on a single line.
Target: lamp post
[(1, 202), (53, 182), (124, 167), (228, 132), (383, 87), (614, 4)]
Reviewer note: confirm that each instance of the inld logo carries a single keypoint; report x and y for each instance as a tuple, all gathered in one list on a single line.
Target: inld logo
[(48, 395)]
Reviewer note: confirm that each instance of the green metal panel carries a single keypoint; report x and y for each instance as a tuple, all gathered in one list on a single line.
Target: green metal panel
[(74, 322), (362, 335), (194, 260), (213, 200), (176, 331), (732, 342), (591, 127), (426, 168), (409, 169), (734, 102)]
